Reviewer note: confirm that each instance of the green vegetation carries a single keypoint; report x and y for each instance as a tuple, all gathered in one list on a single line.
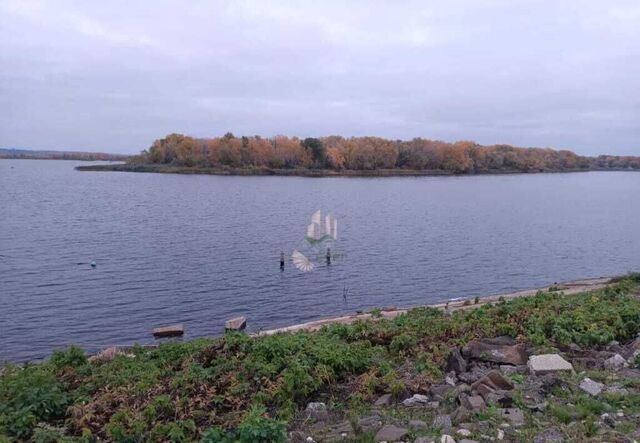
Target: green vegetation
[(241, 389), (354, 156)]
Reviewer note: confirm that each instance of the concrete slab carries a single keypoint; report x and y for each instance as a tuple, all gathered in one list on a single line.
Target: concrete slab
[(547, 363), (169, 331)]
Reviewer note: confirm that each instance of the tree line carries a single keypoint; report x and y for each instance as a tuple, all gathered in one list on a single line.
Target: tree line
[(59, 155), (367, 153)]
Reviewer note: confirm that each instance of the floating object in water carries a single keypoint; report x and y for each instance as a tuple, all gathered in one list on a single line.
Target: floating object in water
[(301, 262), (93, 264), (169, 331), (235, 324)]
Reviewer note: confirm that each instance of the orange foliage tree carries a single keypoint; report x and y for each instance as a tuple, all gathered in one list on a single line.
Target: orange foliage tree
[(368, 153)]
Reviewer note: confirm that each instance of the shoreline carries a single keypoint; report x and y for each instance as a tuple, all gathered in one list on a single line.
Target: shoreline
[(567, 288), (168, 169), (518, 368), (390, 312), (386, 313)]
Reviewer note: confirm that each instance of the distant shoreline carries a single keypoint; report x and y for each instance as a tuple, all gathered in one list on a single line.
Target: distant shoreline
[(168, 169), (24, 154), (64, 159)]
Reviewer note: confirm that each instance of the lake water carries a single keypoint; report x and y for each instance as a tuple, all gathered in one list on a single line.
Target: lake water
[(201, 249)]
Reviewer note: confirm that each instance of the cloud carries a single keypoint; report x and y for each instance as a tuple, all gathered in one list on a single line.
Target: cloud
[(116, 75), (353, 25), (49, 14)]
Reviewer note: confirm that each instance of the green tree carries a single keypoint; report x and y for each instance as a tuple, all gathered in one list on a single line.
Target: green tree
[(317, 150)]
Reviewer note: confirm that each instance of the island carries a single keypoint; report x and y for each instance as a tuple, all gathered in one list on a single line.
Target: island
[(354, 156)]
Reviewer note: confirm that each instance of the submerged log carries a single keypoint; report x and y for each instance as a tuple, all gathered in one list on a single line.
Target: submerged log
[(235, 324), (169, 331)]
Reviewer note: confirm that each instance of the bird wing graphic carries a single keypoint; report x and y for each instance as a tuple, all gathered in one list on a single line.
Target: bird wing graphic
[(301, 262)]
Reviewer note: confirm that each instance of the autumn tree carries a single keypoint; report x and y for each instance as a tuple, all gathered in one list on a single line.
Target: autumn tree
[(367, 153)]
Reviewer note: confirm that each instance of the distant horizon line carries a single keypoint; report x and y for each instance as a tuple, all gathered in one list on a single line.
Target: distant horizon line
[(139, 150), (60, 151)]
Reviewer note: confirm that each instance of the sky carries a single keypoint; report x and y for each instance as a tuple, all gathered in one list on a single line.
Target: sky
[(114, 76)]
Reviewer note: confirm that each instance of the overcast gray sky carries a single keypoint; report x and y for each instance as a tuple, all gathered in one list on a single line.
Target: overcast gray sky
[(115, 75)]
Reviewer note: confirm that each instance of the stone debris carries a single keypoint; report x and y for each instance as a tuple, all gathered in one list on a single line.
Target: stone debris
[(514, 415), (391, 433), (169, 331), (236, 324), (440, 391), (493, 388), (471, 375), (548, 363), (370, 424), (455, 362), (495, 380), (608, 420), (591, 387), (340, 431), (383, 400), (461, 415), (317, 411), (630, 373), (105, 355), (536, 387), (416, 400), (614, 363), (510, 370), (472, 402), (450, 379), (497, 350), (549, 436), (442, 422), (616, 390)]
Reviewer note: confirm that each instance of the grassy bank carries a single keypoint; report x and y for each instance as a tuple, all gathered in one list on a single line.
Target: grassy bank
[(241, 389), (172, 169)]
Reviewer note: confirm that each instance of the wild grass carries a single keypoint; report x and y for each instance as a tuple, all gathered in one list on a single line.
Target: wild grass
[(239, 389)]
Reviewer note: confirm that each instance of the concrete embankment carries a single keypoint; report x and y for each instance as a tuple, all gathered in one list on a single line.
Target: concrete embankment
[(571, 287)]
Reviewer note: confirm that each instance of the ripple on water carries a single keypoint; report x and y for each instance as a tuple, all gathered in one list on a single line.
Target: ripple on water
[(202, 249)]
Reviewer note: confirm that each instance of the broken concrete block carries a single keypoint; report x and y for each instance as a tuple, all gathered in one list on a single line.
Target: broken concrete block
[(547, 363)]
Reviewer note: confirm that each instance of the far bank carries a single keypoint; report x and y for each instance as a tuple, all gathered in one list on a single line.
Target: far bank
[(260, 171)]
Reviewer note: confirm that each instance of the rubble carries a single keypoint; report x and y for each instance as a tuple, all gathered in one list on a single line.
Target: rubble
[(547, 363)]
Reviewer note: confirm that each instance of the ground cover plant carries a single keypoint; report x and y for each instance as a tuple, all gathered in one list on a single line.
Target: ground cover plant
[(238, 388)]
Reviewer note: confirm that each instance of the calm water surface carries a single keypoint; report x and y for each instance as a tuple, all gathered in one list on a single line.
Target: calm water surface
[(201, 249)]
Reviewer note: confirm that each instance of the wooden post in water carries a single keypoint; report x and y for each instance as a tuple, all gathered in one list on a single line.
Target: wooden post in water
[(282, 261), (328, 256)]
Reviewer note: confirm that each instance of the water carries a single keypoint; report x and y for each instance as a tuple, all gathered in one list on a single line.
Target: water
[(201, 249)]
